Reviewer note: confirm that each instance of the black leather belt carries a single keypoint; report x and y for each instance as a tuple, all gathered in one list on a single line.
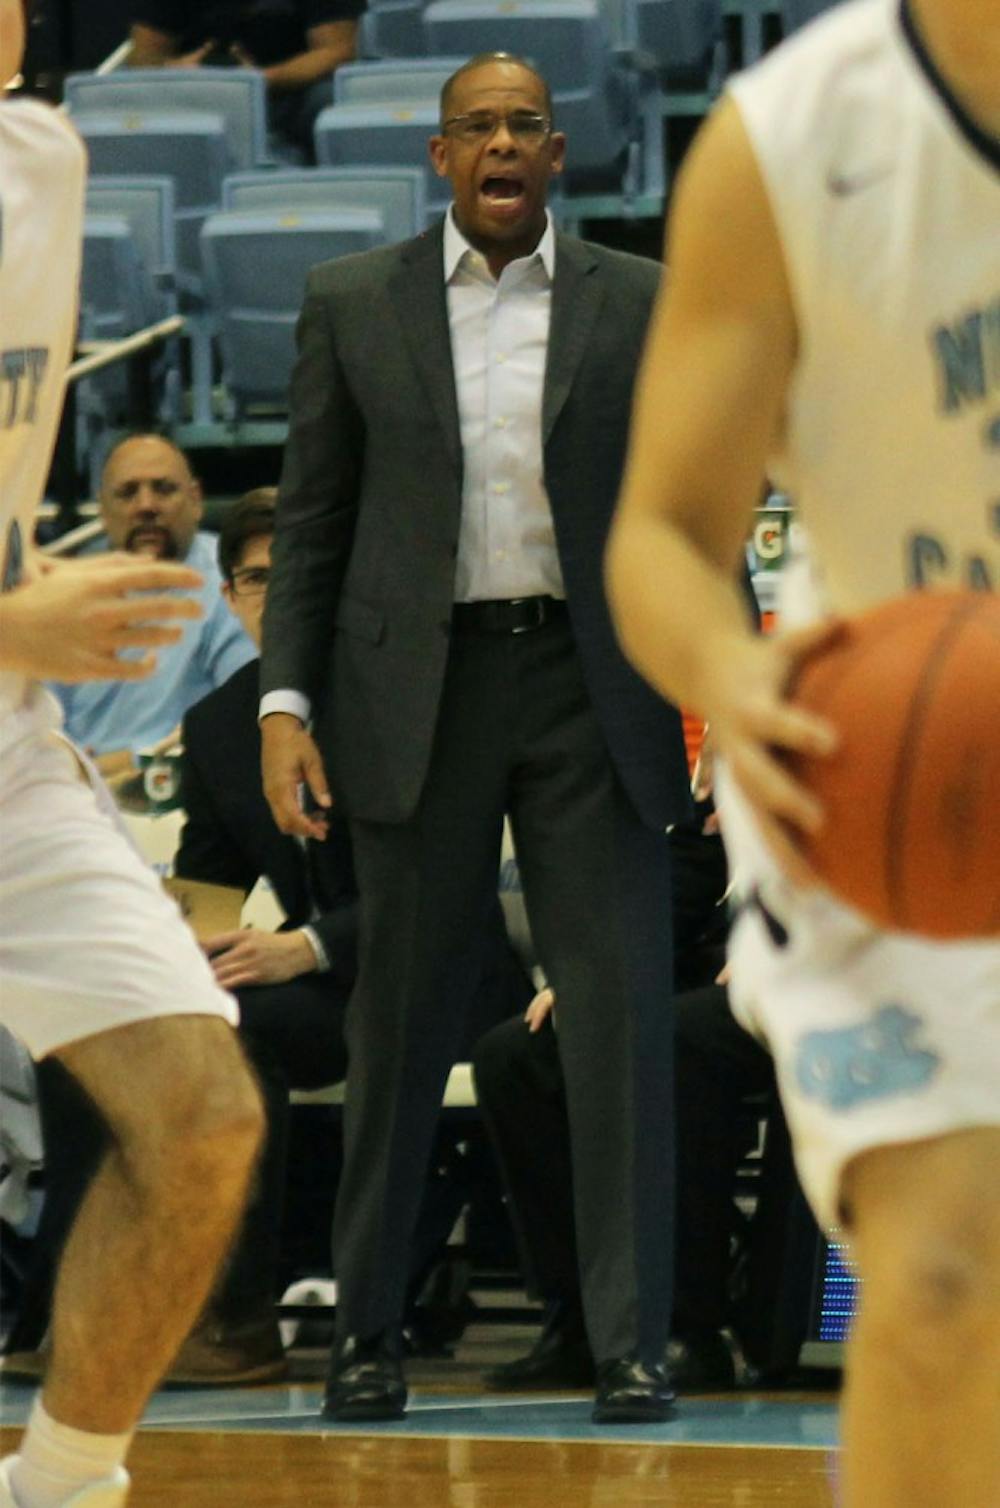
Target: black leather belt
[(519, 615)]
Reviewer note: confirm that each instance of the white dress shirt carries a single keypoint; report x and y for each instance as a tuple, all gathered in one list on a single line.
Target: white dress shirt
[(499, 342)]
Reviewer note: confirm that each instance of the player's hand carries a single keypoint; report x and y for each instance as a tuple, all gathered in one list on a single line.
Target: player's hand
[(290, 762), (241, 57), (71, 620), (252, 956), (540, 1009), (752, 720)]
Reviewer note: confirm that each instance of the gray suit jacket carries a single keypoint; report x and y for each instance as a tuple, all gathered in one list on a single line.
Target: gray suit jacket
[(359, 606)]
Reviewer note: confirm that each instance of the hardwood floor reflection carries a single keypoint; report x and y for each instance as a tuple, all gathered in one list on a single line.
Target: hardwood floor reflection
[(231, 1470)]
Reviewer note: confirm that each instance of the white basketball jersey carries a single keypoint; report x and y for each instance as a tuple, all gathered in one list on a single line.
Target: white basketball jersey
[(886, 196), (42, 171)]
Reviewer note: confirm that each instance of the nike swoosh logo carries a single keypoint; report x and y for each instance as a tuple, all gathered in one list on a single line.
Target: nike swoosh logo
[(843, 185)]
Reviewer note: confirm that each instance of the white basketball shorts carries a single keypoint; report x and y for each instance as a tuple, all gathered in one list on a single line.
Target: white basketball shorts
[(878, 1037), (88, 938)]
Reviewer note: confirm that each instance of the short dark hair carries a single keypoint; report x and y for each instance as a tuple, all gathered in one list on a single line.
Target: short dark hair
[(251, 517), (481, 60)]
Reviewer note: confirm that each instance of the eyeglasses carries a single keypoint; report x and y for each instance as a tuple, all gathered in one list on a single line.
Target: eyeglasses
[(251, 582), (481, 125)]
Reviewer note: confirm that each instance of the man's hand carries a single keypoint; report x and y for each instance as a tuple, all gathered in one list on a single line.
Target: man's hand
[(192, 59), (251, 956), (72, 620), (539, 1009), (752, 721), (291, 760)]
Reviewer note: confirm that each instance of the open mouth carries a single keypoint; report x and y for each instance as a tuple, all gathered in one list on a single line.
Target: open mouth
[(505, 193)]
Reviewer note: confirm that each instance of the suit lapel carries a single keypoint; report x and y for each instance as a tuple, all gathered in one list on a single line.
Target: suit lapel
[(417, 291), (577, 295)]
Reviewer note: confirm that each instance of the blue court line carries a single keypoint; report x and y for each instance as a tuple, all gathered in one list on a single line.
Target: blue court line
[(744, 1421)]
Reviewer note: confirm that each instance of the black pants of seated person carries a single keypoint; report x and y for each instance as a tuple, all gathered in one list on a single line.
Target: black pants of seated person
[(718, 1065), (293, 1034)]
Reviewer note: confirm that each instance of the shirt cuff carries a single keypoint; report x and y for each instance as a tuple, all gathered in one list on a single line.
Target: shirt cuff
[(286, 701), (313, 939)]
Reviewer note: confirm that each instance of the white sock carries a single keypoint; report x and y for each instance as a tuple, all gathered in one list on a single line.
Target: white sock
[(55, 1461)]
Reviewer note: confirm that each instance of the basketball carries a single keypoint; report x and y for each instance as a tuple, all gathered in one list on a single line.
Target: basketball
[(912, 795)]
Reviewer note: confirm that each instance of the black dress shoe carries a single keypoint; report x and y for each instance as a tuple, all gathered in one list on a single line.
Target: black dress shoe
[(629, 1392), (560, 1358), (366, 1379), (701, 1363)]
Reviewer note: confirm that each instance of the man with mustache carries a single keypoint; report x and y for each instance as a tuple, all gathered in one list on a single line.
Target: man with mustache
[(151, 504)]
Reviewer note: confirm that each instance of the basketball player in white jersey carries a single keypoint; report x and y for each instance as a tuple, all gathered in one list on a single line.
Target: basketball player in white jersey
[(832, 315), (96, 967)]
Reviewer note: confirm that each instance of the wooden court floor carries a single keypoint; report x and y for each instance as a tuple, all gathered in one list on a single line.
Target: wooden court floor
[(234, 1470), (463, 1447)]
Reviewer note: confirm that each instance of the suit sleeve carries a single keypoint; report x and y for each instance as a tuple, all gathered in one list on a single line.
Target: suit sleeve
[(337, 930), (206, 849), (317, 506), (331, 880)]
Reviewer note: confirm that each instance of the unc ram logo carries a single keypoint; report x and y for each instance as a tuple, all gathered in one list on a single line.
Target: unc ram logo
[(875, 1060)]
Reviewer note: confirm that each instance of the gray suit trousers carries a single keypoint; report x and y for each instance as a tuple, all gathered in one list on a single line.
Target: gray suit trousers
[(516, 732)]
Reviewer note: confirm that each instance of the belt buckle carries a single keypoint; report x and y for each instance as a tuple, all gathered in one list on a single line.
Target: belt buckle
[(539, 606)]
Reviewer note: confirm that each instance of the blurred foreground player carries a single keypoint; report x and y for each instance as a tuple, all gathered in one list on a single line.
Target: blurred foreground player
[(95, 965), (834, 313)]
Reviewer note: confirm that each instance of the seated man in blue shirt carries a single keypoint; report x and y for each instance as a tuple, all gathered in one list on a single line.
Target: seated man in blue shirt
[(297, 45), (151, 504)]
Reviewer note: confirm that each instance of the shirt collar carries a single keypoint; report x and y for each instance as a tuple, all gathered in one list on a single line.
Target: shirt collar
[(456, 247)]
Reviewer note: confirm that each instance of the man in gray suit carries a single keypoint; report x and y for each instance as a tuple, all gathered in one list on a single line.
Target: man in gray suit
[(459, 419)]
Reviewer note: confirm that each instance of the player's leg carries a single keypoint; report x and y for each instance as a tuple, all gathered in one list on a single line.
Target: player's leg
[(922, 1401), (184, 1116), (185, 1120), (98, 969)]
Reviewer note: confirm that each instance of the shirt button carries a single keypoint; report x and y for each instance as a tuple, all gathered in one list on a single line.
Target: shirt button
[(501, 487), (500, 423), (499, 554), (501, 359)]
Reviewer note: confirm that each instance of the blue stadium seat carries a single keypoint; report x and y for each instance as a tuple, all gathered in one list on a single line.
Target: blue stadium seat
[(148, 206), (393, 29), (255, 272), (397, 193), (570, 42), (238, 95), (676, 35), (393, 81), (382, 135), (115, 300), (796, 13), (186, 146), (113, 285)]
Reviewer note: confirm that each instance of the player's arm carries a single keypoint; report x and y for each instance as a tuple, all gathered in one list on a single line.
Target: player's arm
[(710, 403), (70, 620)]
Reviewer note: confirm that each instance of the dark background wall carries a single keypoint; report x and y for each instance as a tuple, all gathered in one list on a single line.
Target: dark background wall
[(66, 35)]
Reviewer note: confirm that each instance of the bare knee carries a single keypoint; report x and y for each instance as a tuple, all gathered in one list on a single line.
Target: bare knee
[(931, 1301), (183, 1106), (212, 1118)]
